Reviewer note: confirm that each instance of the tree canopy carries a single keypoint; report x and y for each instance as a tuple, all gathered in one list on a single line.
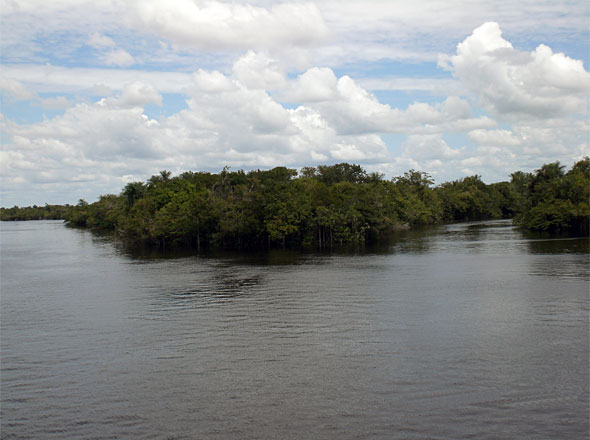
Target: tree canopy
[(321, 206)]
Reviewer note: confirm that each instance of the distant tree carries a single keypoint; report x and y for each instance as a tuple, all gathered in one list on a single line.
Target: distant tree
[(309, 172), (558, 202), (416, 179), (341, 172), (133, 191)]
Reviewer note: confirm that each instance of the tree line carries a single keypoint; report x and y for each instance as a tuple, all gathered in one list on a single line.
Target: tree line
[(322, 206), (47, 212)]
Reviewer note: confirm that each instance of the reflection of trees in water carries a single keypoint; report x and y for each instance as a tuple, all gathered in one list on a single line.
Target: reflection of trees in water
[(477, 231), (221, 285), (567, 250), (541, 244), (230, 283), (571, 269), (415, 246), (429, 239), (211, 283), (558, 246), (419, 239)]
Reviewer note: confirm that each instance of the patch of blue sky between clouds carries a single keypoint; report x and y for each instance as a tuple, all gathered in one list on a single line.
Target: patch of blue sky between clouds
[(26, 112), (573, 45), (172, 103), (394, 142), (392, 68), (458, 140), (66, 54), (402, 99)]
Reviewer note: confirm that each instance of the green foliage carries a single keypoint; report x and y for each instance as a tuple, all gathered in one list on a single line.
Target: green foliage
[(324, 206), (471, 199), (341, 172), (420, 203), (557, 201), (47, 212), (133, 192)]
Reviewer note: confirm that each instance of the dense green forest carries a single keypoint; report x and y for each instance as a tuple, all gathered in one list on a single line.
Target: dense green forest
[(321, 206), (47, 212)]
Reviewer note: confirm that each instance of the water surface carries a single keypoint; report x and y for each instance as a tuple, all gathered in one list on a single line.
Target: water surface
[(470, 330)]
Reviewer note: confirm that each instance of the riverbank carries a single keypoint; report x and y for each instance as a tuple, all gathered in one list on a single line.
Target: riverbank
[(322, 207)]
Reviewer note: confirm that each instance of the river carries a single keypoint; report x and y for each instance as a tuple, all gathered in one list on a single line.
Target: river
[(462, 331)]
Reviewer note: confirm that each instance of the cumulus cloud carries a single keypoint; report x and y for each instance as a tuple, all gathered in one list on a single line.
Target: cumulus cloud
[(353, 110), (514, 84), (337, 31), (138, 94), (216, 25), (257, 70), (433, 154), (109, 54), (118, 57), (225, 123), (495, 137), (99, 131), (380, 30), (430, 147), (315, 85), (212, 82), (255, 106)]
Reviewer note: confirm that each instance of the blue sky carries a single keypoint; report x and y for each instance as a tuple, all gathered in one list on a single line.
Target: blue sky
[(98, 94)]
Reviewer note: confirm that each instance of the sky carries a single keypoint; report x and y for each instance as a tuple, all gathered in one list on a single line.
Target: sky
[(97, 94)]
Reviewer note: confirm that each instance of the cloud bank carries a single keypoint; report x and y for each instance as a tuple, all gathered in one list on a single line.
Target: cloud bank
[(491, 109)]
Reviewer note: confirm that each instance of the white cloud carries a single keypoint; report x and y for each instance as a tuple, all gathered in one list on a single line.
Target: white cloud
[(215, 25), (257, 70), (377, 30), (430, 147), (514, 84), (138, 94), (118, 57), (363, 149), (495, 137), (240, 110), (315, 85), (432, 154), (57, 103), (16, 90), (436, 86), (99, 41), (225, 124), (212, 82), (350, 109), (110, 55), (57, 79), (91, 131), (331, 32)]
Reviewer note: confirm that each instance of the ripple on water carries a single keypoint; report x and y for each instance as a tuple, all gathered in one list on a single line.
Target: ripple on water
[(462, 331)]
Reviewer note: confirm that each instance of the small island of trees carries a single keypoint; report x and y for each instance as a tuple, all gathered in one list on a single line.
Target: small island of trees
[(321, 206)]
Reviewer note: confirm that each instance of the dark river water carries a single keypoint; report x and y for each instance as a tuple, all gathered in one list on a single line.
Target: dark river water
[(461, 331)]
